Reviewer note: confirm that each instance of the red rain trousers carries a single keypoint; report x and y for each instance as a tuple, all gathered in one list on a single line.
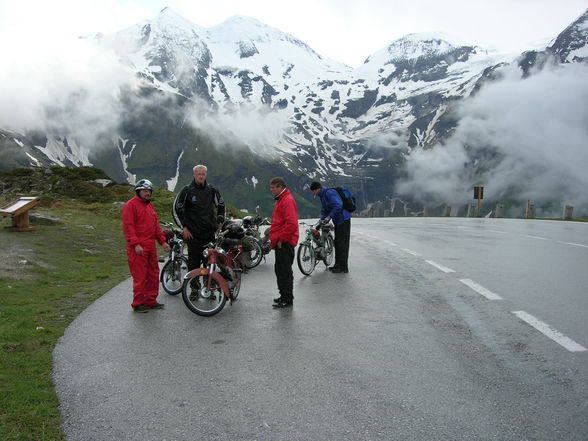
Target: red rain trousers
[(141, 227)]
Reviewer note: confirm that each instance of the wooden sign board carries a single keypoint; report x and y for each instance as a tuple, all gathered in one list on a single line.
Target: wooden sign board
[(479, 193), (19, 210)]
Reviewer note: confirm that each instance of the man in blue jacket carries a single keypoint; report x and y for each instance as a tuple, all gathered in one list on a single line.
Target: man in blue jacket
[(332, 209)]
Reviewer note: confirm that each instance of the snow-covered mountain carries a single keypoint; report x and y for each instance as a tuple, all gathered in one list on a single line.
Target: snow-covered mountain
[(256, 102)]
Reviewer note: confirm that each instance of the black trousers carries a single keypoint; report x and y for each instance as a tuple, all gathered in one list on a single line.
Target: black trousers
[(195, 247), (342, 236), (283, 269)]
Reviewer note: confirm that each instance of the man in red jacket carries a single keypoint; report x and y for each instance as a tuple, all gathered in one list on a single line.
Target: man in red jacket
[(141, 229), (283, 239)]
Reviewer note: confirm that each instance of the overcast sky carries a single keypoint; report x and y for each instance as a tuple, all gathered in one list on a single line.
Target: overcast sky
[(344, 30)]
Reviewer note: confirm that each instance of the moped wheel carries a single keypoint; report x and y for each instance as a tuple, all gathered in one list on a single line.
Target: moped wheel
[(202, 299), (172, 275), (329, 250), (236, 286), (305, 258), (255, 254)]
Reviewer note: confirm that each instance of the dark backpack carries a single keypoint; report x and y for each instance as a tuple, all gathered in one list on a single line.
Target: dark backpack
[(348, 199)]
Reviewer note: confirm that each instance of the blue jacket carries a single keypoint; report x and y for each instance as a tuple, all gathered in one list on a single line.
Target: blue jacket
[(332, 206)]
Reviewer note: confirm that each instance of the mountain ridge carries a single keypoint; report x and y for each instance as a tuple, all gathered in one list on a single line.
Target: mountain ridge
[(244, 86)]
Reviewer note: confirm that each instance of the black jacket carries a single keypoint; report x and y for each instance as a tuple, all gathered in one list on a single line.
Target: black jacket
[(197, 206)]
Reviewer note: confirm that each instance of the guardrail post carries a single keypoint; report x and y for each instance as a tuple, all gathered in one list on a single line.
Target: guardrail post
[(471, 210), (499, 210), (530, 210)]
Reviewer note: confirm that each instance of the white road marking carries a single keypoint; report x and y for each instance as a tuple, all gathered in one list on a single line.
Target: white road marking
[(392, 244), (440, 267), (574, 244), (414, 253), (480, 289), (548, 331), (498, 231), (533, 237)]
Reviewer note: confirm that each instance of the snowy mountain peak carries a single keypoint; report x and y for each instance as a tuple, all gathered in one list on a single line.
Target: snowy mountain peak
[(248, 33), (171, 23), (419, 46), (242, 22), (413, 46)]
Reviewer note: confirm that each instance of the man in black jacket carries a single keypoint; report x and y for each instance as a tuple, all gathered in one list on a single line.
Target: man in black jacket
[(198, 209)]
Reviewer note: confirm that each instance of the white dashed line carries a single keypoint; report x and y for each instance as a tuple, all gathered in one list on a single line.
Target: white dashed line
[(548, 331), (533, 237), (392, 244), (414, 253), (440, 267), (574, 244), (480, 289)]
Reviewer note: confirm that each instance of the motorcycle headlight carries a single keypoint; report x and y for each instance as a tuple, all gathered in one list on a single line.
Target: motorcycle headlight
[(205, 253)]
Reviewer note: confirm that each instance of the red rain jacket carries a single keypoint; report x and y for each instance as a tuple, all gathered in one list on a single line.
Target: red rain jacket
[(140, 223), (284, 220)]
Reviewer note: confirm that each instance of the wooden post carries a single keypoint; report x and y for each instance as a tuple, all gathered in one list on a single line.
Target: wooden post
[(19, 210)]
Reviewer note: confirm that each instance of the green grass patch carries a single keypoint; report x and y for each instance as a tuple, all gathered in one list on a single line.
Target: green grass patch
[(57, 271)]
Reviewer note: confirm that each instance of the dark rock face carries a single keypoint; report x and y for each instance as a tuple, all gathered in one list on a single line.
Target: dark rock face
[(247, 49), (356, 108), (570, 40), (565, 48)]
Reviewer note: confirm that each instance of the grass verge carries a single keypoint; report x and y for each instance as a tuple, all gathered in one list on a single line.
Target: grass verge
[(53, 273)]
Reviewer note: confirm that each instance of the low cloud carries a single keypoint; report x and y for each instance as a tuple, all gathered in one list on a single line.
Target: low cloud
[(55, 82), (261, 132), (523, 139), (69, 90), (391, 140)]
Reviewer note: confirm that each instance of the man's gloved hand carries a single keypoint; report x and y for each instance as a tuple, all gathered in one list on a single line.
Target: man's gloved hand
[(220, 219)]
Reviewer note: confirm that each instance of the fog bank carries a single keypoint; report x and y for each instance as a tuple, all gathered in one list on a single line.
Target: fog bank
[(523, 139)]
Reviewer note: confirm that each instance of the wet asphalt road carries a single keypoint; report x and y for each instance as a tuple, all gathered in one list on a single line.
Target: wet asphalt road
[(398, 349)]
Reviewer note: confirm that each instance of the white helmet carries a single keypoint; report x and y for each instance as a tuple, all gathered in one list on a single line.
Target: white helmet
[(144, 184)]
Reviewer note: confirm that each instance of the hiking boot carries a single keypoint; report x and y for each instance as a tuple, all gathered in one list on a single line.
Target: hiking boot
[(339, 270), (157, 306), (283, 304), (141, 308)]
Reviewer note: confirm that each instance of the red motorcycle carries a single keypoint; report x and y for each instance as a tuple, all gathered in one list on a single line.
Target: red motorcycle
[(206, 290)]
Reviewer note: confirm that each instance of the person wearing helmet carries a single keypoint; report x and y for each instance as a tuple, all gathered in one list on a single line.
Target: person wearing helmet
[(141, 229), (198, 208)]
